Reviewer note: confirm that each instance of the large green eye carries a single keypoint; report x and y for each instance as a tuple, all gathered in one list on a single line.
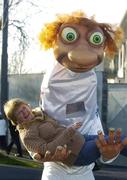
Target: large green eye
[(96, 38), (69, 34)]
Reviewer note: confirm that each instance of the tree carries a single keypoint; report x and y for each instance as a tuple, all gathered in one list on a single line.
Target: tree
[(18, 37), (16, 65), (21, 43)]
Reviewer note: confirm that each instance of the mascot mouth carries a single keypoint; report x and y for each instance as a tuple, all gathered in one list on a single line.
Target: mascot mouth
[(87, 66), (74, 65), (82, 68)]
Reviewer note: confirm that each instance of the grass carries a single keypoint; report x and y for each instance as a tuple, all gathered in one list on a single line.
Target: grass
[(11, 160)]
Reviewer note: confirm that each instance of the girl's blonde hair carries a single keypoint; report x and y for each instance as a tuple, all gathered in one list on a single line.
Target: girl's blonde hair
[(10, 107)]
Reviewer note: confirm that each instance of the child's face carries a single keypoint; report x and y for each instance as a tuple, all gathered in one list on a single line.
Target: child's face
[(23, 113)]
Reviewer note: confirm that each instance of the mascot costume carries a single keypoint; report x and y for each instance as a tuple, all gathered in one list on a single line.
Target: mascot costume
[(69, 93)]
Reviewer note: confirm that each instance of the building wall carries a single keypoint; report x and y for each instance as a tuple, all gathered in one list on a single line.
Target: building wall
[(26, 86)]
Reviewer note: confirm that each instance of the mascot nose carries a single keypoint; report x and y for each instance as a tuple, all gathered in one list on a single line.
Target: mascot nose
[(81, 56)]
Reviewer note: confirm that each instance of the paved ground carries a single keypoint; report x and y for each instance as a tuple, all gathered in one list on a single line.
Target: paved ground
[(18, 173), (111, 173)]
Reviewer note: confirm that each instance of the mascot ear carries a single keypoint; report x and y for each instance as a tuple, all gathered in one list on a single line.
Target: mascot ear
[(114, 39)]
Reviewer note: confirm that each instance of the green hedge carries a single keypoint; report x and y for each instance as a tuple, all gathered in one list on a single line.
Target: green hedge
[(10, 160)]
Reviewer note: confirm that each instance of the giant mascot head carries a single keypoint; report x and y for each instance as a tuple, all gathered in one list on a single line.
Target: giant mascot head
[(79, 43)]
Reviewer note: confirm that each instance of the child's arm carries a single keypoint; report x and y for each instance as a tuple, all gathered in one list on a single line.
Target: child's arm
[(34, 143), (61, 154)]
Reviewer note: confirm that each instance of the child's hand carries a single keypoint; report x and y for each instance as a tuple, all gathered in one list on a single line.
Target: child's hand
[(61, 154), (76, 125), (111, 147)]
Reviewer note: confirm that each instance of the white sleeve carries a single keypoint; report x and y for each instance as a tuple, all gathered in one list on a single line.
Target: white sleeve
[(108, 161)]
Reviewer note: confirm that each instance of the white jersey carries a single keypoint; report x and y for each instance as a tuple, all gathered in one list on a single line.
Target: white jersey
[(55, 171), (70, 97)]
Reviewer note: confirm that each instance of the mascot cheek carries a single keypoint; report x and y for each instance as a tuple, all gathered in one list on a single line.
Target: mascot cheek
[(58, 54)]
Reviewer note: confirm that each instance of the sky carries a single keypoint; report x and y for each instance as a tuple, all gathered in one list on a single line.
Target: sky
[(108, 11)]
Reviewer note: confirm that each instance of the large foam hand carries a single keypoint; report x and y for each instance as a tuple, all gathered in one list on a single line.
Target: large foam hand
[(110, 146)]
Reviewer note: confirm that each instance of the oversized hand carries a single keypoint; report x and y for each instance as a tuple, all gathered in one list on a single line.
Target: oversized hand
[(111, 146), (60, 154)]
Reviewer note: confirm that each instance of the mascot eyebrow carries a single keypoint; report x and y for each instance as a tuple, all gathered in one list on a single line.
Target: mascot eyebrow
[(113, 38)]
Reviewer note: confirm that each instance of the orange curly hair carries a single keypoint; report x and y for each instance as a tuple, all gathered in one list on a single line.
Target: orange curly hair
[(49, 32)]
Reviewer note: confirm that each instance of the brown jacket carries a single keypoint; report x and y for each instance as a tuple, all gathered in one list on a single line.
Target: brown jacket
[(40, 135)]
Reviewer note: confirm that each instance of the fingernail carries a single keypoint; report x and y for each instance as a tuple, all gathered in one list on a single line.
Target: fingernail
[(69, 151), (99, 132), (65, 146), (112, 129), (59, 148), (119, 129), (48, 152)]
